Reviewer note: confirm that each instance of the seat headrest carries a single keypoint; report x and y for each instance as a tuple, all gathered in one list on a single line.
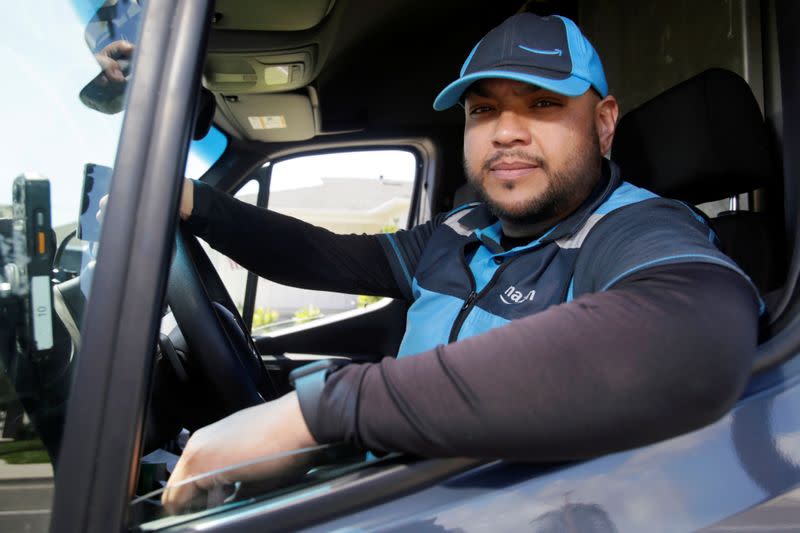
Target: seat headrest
[(702, 140)]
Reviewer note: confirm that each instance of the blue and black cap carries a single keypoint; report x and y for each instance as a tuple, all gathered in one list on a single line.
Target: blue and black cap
[(549, 52)]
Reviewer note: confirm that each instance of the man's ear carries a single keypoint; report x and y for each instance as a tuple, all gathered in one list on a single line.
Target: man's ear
[(606, 112)]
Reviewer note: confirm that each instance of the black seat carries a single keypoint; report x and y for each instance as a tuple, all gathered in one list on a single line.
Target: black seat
[(703, 140)]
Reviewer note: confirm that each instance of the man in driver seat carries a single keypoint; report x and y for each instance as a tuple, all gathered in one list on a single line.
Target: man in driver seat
[(567, 315)]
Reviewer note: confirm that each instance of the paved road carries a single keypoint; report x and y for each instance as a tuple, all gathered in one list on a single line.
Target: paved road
[(25, 505)]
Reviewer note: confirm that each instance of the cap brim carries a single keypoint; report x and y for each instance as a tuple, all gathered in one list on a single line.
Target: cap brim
[(572, 86)]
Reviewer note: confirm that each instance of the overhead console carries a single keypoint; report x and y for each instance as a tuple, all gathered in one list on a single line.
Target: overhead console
[(264, 92), (264, 72)]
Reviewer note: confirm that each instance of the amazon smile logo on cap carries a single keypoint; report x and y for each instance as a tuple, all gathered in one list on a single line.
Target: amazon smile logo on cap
[(548, 52), (553, 52)]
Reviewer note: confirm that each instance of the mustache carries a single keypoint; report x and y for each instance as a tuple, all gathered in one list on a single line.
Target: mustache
[(518, 155)]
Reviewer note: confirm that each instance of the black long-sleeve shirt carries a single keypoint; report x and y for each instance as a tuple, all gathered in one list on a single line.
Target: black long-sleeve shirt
[(666, 350)]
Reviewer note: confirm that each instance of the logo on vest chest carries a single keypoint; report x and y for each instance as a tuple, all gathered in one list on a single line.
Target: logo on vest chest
[(512, 296)]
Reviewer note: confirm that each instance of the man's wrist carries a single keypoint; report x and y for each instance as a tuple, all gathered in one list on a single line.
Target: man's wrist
[(300, 434), (187, 200), (309, 383)]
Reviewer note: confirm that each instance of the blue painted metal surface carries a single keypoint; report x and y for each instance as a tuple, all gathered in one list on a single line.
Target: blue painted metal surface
[(693, 481)]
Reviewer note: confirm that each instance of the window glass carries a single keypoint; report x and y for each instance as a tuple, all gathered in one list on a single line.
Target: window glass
[(305, 473), (67, 70), (366, 191)]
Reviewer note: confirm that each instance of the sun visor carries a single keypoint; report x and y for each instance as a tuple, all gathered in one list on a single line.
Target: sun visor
[(274, 117)]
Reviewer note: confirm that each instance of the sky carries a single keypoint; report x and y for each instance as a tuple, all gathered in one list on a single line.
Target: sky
[(47, 129)]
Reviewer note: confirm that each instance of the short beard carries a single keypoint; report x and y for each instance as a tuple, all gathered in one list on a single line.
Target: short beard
[(567, 188)]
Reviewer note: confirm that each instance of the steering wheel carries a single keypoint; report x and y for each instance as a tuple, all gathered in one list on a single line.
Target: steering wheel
[(223, 358)]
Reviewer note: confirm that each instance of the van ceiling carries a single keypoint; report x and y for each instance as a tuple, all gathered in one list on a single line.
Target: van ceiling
[(374, 63), (270, 15)]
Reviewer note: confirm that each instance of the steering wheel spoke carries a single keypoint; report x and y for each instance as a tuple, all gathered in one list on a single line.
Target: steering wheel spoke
[(222, 352)]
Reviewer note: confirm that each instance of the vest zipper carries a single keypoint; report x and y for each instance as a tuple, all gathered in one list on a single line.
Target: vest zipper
[(473, 296)]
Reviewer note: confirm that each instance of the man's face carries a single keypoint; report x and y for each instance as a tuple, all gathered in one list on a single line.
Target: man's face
[(532, 154)]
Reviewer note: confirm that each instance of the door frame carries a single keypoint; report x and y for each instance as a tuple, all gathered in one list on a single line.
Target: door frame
[(99, 457)]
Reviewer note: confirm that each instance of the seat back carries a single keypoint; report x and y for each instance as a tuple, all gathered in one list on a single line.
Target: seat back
[(703, 140)]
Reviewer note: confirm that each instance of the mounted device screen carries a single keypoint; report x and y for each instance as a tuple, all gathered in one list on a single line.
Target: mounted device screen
[(96, 183)]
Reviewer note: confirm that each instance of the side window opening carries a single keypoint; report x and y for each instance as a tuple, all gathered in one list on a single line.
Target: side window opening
[(365, 191)]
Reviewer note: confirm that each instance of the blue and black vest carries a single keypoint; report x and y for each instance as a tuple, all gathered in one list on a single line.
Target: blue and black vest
[(461, 282)]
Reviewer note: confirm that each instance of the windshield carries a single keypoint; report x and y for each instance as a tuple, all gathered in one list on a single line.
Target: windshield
[(204, 153), (66, 69)]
